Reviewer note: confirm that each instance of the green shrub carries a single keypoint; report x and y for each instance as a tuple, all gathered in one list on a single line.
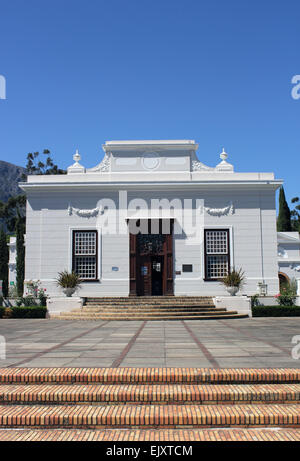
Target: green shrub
[(276, 311), (288, 293), (26, 301), (28, 312), (255, 300)]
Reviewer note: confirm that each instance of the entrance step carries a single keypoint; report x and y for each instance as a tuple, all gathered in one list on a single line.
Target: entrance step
[(149, 416), (145, 394), (156, 301), (149, 308), (179, 404), (144, 375), (139, 309), (141, 435), (114, 317)]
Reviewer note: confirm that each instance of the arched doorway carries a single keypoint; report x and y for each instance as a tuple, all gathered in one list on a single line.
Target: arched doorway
[(283, 280)]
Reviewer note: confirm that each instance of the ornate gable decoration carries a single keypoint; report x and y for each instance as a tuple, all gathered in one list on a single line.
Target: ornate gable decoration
[(222, 167), (102, 167), (199, 166)]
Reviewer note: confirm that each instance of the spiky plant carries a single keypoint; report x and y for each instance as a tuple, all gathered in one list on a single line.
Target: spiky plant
[(67, 279), (234, 278)]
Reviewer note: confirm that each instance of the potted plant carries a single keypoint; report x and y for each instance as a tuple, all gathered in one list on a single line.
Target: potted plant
[(234, 281), (68, 281)]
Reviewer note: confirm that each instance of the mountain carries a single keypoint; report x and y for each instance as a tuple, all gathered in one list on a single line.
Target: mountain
[(10, 175)]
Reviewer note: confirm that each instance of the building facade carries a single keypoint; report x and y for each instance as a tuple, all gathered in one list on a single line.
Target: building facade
[(152, 219), (288, 256)]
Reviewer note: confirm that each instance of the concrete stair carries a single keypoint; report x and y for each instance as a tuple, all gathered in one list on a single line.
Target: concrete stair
[(182, 404), (149, 308)]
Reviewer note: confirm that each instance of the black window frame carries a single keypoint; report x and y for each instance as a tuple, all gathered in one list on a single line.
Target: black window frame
[(206, 255), (75, 256)]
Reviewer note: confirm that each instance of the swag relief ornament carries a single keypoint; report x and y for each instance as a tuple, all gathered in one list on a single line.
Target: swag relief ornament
[(85, 213), (228, 210)]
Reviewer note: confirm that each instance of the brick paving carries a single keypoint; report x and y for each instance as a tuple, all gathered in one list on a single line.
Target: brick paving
[(150, 416), (148, 375), (149, 404), (182, 435), (149, 394)]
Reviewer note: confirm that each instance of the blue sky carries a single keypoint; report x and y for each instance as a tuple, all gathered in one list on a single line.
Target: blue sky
[(79, 73)]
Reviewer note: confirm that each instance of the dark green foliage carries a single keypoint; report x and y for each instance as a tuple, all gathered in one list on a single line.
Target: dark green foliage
[(26, 301), (20, 248), (295, 215), (276, 311), (15, 206), (11, 210), (4, 256), (284, 215), (37, 166), (29, 312)]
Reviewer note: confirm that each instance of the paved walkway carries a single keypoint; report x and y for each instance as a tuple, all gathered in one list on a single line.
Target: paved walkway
[(258, 343)]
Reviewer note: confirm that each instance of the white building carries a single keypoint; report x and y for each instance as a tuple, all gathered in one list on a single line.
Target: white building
[(196, 222), (288, 256), (12, 273)]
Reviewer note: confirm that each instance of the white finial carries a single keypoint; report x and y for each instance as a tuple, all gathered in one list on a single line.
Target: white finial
[(76, 156), (223, 155)]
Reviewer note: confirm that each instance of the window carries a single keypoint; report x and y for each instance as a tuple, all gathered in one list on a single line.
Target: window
[(85, 254), (216, 254)]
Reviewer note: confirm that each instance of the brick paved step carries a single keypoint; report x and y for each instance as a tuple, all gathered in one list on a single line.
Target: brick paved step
[(148, 416), (163, 394), (75, 316), (156, 435), (64, 375)]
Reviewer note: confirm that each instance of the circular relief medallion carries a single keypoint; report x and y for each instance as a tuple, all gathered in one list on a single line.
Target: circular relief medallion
[(151, 161)]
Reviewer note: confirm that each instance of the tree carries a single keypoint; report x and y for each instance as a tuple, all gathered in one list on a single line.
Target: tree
[(37, 166), (295, 215), (284, 215), (9, 212), (16, 206), (20, 248), (4, 256)]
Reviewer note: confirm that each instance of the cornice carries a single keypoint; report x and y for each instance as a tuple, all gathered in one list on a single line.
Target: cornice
[(151, 185)]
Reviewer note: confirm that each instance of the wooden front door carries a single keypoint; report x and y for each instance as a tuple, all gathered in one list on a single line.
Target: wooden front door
[(151, 263), (145, 276)]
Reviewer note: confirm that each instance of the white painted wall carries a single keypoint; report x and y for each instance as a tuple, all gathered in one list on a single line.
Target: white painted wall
[(252, 228)]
